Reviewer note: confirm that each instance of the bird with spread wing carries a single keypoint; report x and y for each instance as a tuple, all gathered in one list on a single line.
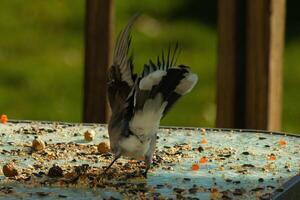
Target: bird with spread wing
[(138, 103)]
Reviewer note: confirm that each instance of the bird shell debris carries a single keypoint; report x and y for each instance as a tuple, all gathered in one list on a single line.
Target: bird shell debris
[(89, 135), (9, 170), (38, 144), (103, 147)]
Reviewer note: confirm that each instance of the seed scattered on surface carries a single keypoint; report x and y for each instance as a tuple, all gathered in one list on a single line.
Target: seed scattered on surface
[(70, 175), (89, 135), (282, 142), (178, 190), (7, 189), (238, 192), (38, 144), (248, 165), (203, 131), (215, 194), (195, 167), (174, 156), (103, 147), (200, 149), (203, 160), (55, 172), (236, 182), (204, 141), (257, 189), (159, 186), (3, 119), (82, 169), (193, 190), (9, 170), (43, 194), (271, 157), (221, 168), (261, 180)]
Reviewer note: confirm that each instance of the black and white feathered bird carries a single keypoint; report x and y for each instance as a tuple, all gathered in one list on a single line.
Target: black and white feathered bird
[(139, 103)]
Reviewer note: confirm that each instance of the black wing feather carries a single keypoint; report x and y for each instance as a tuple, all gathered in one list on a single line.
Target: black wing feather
[(120, 75), (168, 83)]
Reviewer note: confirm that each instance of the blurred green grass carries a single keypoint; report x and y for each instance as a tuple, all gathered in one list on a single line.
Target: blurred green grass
[(41, 59)]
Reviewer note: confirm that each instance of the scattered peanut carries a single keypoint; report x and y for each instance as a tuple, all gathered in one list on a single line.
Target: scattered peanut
[(103, 147), (3, 119), (38, 144), (9, 170), (89, 135)]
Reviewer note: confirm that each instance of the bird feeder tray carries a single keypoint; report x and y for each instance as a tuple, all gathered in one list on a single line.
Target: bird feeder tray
[(189, 163)]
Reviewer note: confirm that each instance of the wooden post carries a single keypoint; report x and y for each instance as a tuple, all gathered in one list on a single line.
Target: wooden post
[(231, 64), (98, 46), (251, 42)]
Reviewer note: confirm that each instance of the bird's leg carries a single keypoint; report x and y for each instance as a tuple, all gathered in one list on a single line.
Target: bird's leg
[(148, 161), (115, 159), (149, 155)]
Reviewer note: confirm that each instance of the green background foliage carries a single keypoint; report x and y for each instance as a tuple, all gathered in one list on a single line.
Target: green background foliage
[(41, 56)]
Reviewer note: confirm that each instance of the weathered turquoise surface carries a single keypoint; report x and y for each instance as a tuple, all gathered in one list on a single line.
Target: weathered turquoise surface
[(241, 165)]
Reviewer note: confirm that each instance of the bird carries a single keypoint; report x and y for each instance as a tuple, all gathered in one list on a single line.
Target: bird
[(138, 103)]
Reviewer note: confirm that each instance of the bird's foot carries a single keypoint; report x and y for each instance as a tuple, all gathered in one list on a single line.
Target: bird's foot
[(144, 173)]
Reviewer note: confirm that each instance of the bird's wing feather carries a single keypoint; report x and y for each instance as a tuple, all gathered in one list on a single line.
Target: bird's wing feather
[(120, 74), (165, 77), (157, 91)]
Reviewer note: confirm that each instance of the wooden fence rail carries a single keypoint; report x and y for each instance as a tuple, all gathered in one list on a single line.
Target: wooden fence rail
[(98, 46), (251, 42)]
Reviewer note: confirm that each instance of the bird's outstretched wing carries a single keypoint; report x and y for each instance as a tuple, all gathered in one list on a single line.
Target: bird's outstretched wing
[(159, 88), (120, 75), (165, 78)]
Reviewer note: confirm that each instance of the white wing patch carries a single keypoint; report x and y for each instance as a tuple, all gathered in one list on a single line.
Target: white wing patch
[(186, 84), (152, 79), (145, 122)]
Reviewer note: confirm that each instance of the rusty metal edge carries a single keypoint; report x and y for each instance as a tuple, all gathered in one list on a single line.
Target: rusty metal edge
[(291, 189)]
